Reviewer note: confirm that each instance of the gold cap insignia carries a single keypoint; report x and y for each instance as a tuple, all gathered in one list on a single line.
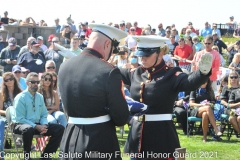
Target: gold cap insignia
[(138, 40)]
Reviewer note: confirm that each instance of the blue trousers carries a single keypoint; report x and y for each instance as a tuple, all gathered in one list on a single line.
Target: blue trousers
[(57, 117), (2, 128)]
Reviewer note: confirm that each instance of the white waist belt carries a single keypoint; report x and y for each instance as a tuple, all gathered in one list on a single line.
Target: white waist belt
[(93, 120), (154, 117)]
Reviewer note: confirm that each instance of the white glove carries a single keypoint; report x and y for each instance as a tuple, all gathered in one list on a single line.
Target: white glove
[(205, 63), (67, 54), (64, 51)]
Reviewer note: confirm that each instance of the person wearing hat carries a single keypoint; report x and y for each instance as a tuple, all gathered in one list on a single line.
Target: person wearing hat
[(16, 70), (232, 25), (5, 19), (123, 26), (221, 45), (25, 72), (8, 56), (40, 41), (26, 48), (33, 59), (91, 92), (157, 85), (216, 30)]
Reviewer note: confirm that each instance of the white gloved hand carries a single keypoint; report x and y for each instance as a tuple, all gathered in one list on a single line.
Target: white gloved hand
[(67, 54), (205, 63)]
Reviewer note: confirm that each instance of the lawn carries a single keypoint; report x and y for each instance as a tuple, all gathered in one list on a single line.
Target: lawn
[(223, 150)]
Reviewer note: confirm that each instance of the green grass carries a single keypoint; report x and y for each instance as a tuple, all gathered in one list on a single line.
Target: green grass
[(222, 150)]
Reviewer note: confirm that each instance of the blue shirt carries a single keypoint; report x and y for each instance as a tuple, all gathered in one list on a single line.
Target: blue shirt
[(206, 31), (162, 33), (24, 111), (29, 61), (58, 29), (22, 83)]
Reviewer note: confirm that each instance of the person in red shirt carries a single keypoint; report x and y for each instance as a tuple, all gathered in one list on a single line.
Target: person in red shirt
[(208, 43), (138, 31), (183, 53), (190, 26)]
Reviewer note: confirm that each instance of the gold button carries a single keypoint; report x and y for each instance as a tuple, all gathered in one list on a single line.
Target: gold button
[(153, 69), (166, 67), (149, 75), (142, 83), (140, 91), (141, 100)]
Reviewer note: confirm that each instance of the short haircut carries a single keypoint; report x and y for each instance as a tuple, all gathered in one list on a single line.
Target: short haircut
[(172, 36), (74, 38), (31, 74), (50, 61), (209, 38)]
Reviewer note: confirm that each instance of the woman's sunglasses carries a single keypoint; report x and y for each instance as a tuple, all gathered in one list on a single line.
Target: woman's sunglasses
[(9, 79), (235, 77), (48, 79)]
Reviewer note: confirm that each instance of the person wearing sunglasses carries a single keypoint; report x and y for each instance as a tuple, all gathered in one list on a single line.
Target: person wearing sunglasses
[(30, 116), (200, 103), (10, 89), (51, 100), (52, 54), (157, 85), (130, 42), (228, 99), (50, 66), (208, 43), (24, 72), (16, 70)]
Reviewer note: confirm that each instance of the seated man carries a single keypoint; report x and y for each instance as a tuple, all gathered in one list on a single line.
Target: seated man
[(30, 117)]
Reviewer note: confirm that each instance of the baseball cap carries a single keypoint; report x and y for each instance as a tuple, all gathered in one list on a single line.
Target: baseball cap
[(50, 37), (23, 69), (122, 22), (40, 37), (6, 12), (231, 17), (214, 25), (35, 44), (84, 23), (16, 68), (12, 41), (189, 23)]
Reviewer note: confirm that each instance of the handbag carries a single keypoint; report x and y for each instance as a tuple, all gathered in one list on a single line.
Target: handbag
[(8, 143)]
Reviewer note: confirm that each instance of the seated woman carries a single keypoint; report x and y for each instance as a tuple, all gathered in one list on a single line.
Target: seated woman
[(235, 65), (204, 110), (10, 89), (234, 101), (223, 84), (51, 100)]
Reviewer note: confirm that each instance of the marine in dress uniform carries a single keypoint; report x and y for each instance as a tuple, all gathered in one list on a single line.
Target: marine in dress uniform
[(153, 133), (88, 85)]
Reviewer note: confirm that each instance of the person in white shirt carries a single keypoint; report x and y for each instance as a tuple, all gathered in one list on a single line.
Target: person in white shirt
[(40, 41), (216, 30), (190, 33), (129, 41)]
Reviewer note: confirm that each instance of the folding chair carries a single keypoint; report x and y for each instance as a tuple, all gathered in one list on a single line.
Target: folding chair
[(11, 128), (192, 125), (225, 124)]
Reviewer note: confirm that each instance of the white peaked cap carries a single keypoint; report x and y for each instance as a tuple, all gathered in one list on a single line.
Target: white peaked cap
[(150, 41), (112, 32)]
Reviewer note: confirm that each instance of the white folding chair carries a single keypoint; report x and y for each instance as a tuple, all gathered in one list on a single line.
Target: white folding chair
[(10, 110)]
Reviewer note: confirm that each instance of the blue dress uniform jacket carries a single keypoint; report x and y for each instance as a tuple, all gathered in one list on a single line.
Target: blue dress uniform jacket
[(88, 84), (157, 87)]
